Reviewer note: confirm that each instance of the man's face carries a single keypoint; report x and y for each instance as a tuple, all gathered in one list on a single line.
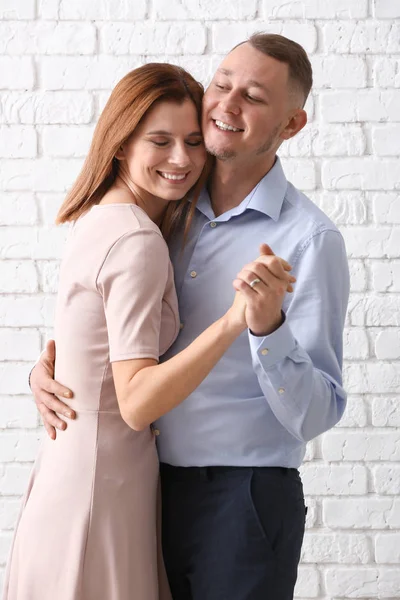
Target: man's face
[(246, 106)]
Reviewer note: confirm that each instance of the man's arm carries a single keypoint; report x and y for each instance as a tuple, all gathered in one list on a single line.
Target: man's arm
[(45, 391), (299, 364)]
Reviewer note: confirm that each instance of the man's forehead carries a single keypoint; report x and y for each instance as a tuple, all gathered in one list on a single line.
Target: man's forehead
[(252, 66)]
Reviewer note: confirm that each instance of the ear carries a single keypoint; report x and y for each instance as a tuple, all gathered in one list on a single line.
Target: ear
[(120, 153), (297, 120)]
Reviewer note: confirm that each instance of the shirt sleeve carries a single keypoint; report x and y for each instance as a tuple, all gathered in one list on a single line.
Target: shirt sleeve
[(299, 366), (132, 282)]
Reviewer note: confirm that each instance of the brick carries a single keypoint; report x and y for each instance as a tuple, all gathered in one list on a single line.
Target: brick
[(14, 378), (386, 72), (314, 9), (17, 9), (372, 242), (327, 548), (16, 73), (66, 142), (386, 412), (152, 38), (382, 9), (358, 275), (356, 414), (307, 585), (47, 37), (49, 275), (91, 73), (374, 311), (17, 142), (343, 207), (18, 209), (385, 140), (361, 446), (336, 140), (32, 311), (355, 344), (301, 173), (361, 513), (372, 378), (387, 548), (385, 275), (46, 108), (386, 479), (17, 276), (205, 10), (16, 412), (359, 582), (225, 36), (19, 344), (338, 72), (5, 545), (360, 173), (45, 175), (387, 344), (362, 37), (312, 513), (48, 9), (14, 479), (50, 204), (342, 480), (19, 446), (112, 10), (385, 207), (9, 511), (361, 106)]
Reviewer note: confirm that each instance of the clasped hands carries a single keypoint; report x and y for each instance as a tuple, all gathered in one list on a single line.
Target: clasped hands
[(263, 284)]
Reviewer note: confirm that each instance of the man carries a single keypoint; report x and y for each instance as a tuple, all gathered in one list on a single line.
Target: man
[(233, 506)]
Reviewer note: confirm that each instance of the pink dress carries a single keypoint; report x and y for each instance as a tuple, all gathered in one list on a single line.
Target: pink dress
[(87, 529)]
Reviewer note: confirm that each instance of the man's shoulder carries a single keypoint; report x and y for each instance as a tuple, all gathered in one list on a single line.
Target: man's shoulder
[(307, 217)]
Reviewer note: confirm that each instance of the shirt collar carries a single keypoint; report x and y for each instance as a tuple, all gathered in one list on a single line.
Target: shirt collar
[(266, 197)]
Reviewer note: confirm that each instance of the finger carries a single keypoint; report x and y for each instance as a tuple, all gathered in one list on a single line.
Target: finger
[(259, 271), (269, 280), (274, 263), (50, 418), (53, 387), (51, 432), (51, 351), (266, 250), (53, 403)]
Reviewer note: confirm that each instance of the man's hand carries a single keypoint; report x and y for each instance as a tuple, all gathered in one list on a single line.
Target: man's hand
[(271, 280), (45, 391)]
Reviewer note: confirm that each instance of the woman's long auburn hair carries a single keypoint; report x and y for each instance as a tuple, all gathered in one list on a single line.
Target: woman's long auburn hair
[(129, 102)]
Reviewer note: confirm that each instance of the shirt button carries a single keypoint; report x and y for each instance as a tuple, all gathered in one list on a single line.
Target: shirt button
[(156, 431), (264, 351), (193, 274), (281, 391), (212, 224), (181, 326)]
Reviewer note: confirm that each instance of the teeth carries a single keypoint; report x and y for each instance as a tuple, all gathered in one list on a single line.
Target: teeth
[(173, 177), (225, 126)]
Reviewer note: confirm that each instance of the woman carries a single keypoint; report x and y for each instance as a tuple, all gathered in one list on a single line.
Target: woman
[(88, 526)]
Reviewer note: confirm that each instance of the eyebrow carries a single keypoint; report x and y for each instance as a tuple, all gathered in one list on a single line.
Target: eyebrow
[(250, 83), (162, 132)]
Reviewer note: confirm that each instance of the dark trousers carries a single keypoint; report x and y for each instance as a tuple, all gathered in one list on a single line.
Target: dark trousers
[(232, 533)]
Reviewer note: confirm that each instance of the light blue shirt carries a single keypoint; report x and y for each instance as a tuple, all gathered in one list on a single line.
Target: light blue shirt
[(268, 395)]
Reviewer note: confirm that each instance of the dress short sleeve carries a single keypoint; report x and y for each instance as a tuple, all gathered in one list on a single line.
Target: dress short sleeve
[(132, 282)]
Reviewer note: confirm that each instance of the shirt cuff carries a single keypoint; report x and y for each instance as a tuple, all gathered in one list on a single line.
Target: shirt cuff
[(274, 347)]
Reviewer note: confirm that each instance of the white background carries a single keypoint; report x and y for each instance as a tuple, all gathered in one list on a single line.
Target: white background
[(58, 61)]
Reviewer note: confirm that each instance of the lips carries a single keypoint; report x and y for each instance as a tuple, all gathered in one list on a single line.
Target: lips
[(173, 177), (223, 126)]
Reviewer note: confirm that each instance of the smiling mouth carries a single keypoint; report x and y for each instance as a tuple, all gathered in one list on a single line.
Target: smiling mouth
[(226, 127), (174, 177)]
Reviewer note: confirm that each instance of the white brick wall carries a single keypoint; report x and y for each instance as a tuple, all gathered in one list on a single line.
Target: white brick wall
[(58, 61)]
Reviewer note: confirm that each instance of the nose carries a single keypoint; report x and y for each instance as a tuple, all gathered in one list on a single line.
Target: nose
[(230, 103), (179, 155)]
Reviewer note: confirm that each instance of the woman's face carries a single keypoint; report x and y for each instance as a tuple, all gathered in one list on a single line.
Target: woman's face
[(165, 155)]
